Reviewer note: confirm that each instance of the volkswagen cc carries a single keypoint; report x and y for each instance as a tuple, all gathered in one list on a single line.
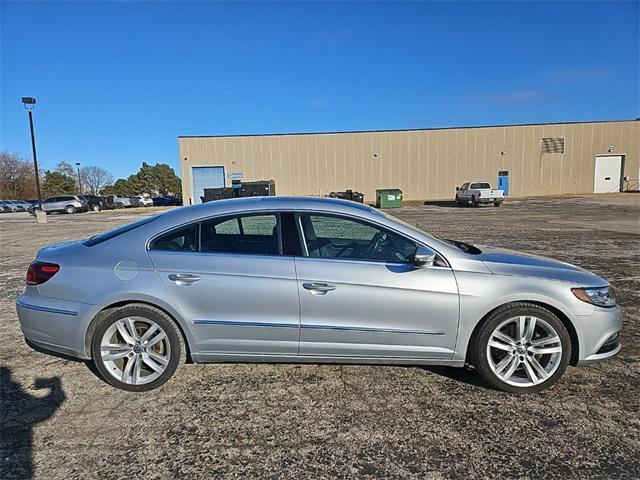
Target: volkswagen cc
[(276, 279)]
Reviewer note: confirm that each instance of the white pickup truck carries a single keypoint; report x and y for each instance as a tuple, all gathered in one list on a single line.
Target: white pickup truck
[(478, 193)]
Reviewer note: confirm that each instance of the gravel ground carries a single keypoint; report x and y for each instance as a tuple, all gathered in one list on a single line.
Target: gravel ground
[(59, 420)]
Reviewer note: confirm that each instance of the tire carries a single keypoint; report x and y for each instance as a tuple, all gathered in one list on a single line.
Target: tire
[(119, 205), (473, 201), (497, 204), (70, 209), (510, 366), (95, 208), (128, 366), (457, 201)]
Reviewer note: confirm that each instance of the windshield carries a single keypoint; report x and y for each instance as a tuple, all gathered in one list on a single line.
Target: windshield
[(480, 185), (108, 235)]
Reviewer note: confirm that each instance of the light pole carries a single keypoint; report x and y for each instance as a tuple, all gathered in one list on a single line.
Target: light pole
[(79, 179), (29, 104)]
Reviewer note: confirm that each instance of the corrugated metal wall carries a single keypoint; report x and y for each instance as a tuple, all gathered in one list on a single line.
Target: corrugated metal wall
[(425, 164)]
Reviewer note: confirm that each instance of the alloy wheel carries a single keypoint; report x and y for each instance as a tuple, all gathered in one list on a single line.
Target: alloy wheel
[(135, 350), (524, 351)]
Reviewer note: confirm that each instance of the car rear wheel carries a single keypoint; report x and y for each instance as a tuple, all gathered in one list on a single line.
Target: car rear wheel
[(521, 348), (96, 208), (497, 204), (137, 348), (70, 209)]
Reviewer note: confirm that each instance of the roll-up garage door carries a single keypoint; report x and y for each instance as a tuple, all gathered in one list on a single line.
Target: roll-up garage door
[(206, 177)]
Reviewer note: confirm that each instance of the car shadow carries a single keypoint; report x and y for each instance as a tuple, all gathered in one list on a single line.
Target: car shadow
[(20, 412), (89, 364), (442, 203), (463, 375)]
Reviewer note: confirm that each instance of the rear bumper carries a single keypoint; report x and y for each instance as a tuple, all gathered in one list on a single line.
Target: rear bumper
[(55, 325), (489, 200)]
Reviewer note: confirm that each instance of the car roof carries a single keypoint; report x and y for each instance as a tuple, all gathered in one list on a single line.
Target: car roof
[(252, 204), (285, 203)]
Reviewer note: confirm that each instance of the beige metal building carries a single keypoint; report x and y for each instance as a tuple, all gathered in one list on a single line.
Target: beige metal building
[(544, 159)]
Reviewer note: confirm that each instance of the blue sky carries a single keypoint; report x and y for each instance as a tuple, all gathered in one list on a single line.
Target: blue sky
[(118, 82)]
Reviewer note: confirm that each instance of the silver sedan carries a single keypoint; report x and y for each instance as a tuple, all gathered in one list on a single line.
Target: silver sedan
[(310, 280)]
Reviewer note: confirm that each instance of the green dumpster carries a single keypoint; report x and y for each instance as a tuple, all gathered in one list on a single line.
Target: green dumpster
[(389, 198)]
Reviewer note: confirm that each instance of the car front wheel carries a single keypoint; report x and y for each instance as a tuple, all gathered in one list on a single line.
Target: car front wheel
[(70, 209), (96, 208), (137, 348), (521, 348)]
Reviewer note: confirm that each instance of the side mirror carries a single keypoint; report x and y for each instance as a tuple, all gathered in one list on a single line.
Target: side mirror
[(457, 189), (424, 257)]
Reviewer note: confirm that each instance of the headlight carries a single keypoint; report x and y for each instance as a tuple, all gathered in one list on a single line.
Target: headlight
[(600, 296)]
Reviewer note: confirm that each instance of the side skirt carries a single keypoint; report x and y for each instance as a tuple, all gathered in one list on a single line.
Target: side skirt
[(248, 358)]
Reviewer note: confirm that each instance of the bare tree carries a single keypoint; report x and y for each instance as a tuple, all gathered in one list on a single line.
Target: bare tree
[(17, 177), (67, 169), (95, 178)]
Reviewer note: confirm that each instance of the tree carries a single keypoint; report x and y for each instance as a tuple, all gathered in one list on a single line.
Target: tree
[(70, 171), (57, 183), (66, 169), (95, 178), (121, 187), (159, 179), (17, 177)]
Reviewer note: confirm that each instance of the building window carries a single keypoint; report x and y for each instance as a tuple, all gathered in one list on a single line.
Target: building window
[(552, 145)]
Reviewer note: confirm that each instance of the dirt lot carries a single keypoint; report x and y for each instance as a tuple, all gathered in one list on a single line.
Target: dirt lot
[(58, 420)]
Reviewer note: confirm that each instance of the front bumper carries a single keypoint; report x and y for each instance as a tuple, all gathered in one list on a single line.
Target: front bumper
[(600, 331), (56, 325)]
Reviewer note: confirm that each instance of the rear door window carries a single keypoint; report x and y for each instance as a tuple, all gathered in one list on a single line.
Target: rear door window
[(257, 234), (183, 239)]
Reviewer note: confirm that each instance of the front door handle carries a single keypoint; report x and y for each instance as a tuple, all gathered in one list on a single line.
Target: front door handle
[(318, 288), (183, 279)]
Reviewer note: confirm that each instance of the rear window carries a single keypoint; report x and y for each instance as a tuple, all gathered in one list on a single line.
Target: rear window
[(103, 237), (481, 185)]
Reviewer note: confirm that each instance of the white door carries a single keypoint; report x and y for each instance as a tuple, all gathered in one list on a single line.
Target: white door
[(205, 177), (608, 174)]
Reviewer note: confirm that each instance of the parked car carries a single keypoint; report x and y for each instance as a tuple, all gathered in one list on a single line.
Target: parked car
[(4, 208), (311, 280), (23, 204), (141, 201), (478, 193), (62, 204), (116, 201), (94, 202), (166, 201), (14, 205)]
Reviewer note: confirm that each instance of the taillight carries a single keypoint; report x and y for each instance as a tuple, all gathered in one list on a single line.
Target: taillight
[(40, 272)]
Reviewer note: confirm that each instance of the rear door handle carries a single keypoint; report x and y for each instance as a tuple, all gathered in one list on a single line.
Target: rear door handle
[(183, 279), (318, 288)]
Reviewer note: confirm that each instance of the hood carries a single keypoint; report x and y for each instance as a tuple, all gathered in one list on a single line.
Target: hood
[(508, 262)]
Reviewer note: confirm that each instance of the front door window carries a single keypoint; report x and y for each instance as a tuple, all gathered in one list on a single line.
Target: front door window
[(328, 236)]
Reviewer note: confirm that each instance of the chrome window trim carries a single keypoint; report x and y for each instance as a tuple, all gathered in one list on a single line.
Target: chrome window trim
[(366, 221), (199, 222), (295, 210)]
